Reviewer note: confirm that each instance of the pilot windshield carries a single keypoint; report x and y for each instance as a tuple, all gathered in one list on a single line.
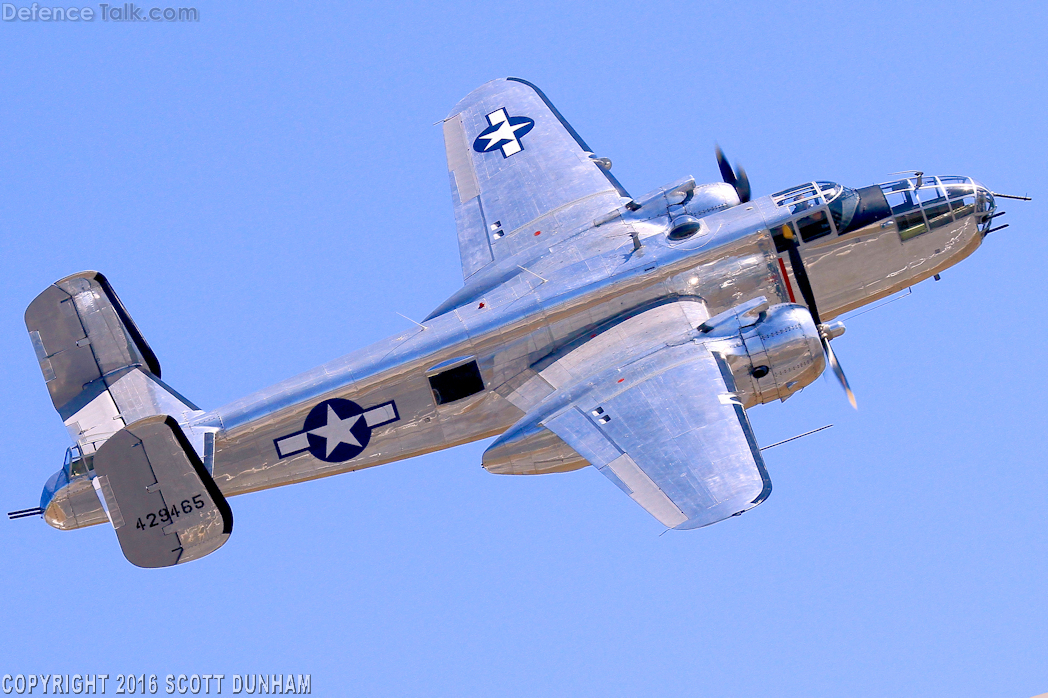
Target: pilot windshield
[(850, 209)]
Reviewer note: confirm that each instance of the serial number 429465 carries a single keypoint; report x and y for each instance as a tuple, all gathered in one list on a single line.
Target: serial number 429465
[(169, 514)]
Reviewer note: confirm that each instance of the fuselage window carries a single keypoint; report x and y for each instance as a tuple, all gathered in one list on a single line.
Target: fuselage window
[(814, 226)]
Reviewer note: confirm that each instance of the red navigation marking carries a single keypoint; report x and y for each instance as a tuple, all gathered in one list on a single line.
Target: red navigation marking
[(786, 278)]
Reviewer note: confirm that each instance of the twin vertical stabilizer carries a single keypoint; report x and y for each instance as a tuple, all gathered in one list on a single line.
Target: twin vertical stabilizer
[(126, 425)]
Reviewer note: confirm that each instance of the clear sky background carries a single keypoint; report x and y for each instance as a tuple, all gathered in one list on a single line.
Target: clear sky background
[(266, 190)]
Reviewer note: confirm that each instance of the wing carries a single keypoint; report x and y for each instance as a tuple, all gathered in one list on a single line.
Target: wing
[(655, 412), (675, 440), (519, 173)]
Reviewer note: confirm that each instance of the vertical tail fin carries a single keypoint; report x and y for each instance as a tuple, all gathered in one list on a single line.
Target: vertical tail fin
[(100, 372)]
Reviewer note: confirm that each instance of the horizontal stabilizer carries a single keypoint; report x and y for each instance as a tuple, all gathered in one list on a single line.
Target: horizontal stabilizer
[(163, 503)]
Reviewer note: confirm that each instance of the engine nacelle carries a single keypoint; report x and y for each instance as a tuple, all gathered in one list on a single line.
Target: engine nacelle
[(773, 351), (710, 198)]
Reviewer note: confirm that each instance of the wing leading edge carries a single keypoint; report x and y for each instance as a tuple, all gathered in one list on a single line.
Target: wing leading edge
[(519, 173)]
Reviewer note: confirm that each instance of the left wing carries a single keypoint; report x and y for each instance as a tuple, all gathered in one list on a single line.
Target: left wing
[(519, 173), (656, 413)]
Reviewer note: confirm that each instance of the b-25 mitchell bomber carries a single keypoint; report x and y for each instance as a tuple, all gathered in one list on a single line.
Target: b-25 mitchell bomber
[(594, 328)]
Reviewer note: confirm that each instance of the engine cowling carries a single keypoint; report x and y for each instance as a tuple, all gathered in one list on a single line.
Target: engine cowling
[(773, 351), (710, 198)]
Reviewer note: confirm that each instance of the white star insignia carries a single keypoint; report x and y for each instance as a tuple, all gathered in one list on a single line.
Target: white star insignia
[(504, 132), (338, 431)]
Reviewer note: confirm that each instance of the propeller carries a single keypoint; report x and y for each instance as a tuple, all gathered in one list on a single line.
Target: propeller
[(836, 366), (827, 331), (741, 182)]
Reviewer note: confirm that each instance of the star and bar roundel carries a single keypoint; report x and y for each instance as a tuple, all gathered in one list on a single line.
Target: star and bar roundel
[(503, 133), (336, 430)]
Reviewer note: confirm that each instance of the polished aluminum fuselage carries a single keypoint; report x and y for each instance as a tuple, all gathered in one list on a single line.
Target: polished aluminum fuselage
[(573, 288), (544, 300)]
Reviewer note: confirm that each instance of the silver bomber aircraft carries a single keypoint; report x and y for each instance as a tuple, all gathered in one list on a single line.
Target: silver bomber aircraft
[(593, 328)]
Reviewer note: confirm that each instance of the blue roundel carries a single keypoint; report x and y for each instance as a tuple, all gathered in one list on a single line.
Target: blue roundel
[(337, 430)]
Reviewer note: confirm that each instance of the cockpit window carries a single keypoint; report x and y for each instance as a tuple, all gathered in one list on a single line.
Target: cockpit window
[(806, 196), (929, 194), (933, 201), (799, 198), (924, 203), (814, 226), (900, 201), (957, 186), (830, 190)]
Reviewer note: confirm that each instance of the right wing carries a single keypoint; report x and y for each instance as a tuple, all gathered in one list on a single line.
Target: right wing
[(519, 173), (654, 411)]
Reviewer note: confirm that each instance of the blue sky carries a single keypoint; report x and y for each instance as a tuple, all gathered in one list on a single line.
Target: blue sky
[(266, 190)]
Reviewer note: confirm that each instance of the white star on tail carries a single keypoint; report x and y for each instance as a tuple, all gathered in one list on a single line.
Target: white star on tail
[(338, 431)]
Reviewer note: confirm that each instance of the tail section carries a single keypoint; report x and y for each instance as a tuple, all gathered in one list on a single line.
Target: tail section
[(134, 461)]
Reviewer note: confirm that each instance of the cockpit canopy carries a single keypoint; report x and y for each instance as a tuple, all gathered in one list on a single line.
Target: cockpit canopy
[(849, 209)]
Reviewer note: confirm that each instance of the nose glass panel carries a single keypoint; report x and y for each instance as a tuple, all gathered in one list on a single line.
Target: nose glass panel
[(925, 203)]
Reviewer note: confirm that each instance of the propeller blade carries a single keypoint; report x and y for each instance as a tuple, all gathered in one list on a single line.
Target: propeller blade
[(801, 275), (743, 186), (839, 372), (741, 182), (727, 174)]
